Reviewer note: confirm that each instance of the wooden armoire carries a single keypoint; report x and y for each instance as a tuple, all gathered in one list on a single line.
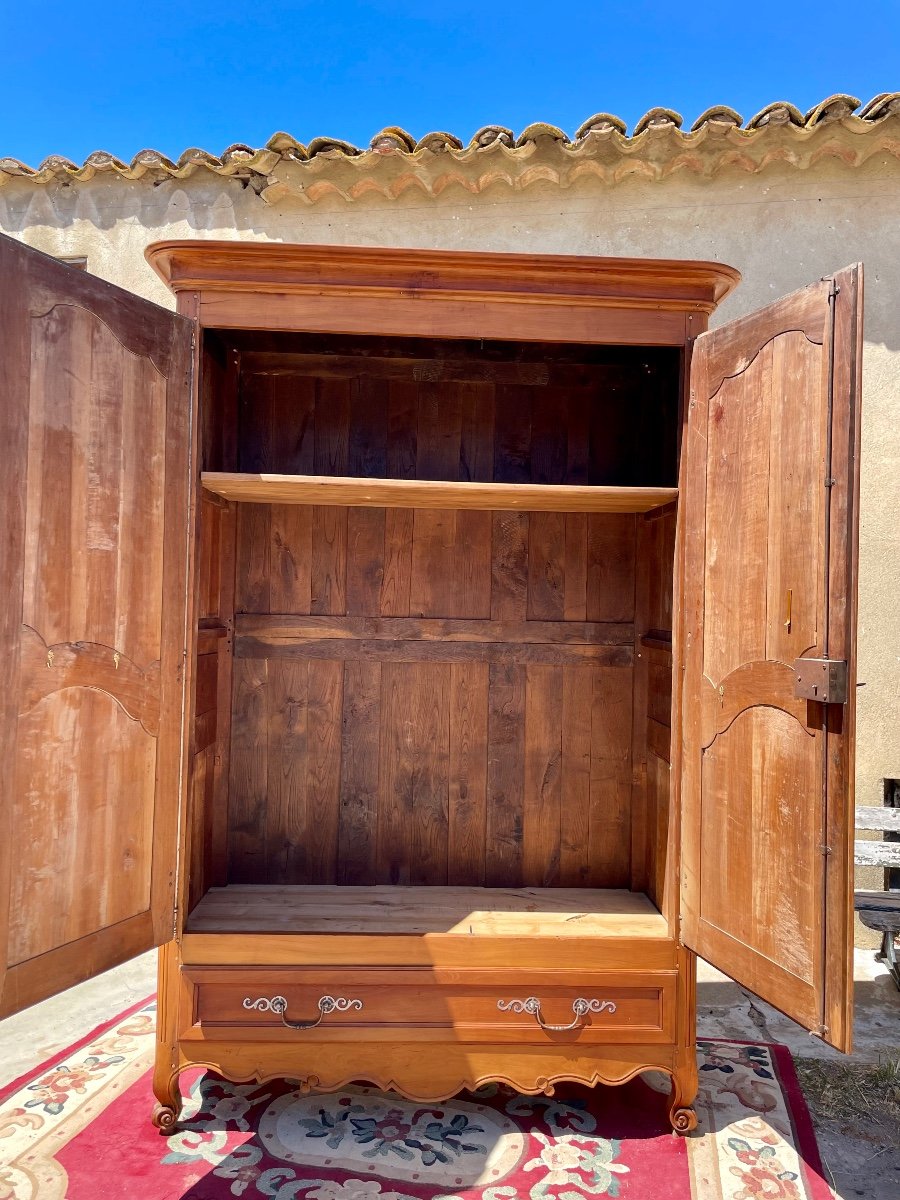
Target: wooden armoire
[(432, 652)]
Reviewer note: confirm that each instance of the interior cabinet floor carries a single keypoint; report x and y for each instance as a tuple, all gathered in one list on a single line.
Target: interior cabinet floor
[(504, 912)]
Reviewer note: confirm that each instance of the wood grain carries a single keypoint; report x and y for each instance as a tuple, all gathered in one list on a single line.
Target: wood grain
[(759, 777), (94, 552), (425, 494)]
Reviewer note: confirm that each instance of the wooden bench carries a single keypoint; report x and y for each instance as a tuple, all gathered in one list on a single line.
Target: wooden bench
[(880, 910)]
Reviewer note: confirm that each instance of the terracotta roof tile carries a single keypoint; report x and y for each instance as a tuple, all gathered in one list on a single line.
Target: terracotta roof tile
[(838, 128)]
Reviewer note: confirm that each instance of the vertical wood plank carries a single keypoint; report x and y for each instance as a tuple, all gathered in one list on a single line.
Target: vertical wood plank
[(610, 569), (412, 825), (293, 424), (468, 773), (365, 561), (360, 770), (543, 775), (249, 772), (468, 570), (546, 566), (509, 566), (403, 408), (323, 778), (398, 546), (611, 718), (368, 427), (575, 603), (328, 567), (505, 777), (290, 557), (439, 431), (577, 715), (476, 455), (256, 453), (288, 818), (512, 434), (549, 440)]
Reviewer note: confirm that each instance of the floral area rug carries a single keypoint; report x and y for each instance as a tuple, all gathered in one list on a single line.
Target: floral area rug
[(80, 1129)]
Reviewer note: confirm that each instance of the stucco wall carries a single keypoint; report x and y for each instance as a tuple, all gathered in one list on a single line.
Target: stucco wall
[(782, 228)]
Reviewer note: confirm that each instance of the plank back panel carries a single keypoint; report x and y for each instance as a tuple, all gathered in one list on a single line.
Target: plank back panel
[(476, 724)]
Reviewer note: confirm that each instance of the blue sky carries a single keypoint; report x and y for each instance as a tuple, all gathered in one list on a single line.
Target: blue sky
[(125, 76)]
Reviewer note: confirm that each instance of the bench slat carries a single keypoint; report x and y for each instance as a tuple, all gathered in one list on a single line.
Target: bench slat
[(873, 817), (879, 910), (876, 854)]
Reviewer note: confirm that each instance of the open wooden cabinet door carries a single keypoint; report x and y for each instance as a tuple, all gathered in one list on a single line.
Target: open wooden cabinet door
[(770, 473), (95, 430)]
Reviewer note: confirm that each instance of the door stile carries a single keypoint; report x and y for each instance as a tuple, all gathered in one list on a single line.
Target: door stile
[(687, 623), (14, 403), (173, 730), (188, 306), (841, 601)]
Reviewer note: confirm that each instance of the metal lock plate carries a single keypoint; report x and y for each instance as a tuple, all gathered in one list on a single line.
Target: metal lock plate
[(821, 679)]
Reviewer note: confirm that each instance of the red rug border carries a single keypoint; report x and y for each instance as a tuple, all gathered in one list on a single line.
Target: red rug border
[(798, 1110), (55, 1059)]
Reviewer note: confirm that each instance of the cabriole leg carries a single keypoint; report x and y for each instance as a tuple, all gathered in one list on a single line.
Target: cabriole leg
[(685, 1083), (168, 1109)]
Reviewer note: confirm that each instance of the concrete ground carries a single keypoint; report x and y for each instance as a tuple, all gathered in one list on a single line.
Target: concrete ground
[(860, 1142)]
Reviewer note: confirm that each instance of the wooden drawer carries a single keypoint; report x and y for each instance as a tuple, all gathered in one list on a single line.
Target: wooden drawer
[(422, 1004)]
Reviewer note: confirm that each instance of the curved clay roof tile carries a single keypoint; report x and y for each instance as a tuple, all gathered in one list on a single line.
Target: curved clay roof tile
[(152, 158), (287, 146), (720, 114), (658, 118), (101, 159), (601, 123), (323, 145), (393, 138), (664, 155), (832, 109), (537, 129), (58, 164), (238, 150), (489, 135), (12, 166), (887, 104), (779, 113), (439, 142)]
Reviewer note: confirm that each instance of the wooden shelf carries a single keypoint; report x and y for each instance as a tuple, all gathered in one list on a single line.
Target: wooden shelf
[(420, 493), (467, 911)]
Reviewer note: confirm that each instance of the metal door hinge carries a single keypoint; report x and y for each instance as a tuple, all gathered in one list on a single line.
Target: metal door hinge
[(821, 679)]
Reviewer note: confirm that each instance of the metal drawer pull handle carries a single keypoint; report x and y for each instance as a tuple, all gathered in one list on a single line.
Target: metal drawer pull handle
[(278, 1004), (580, 1008)]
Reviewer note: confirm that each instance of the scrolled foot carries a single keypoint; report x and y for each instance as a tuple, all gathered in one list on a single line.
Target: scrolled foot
[(684, 1120), (165, 1118)]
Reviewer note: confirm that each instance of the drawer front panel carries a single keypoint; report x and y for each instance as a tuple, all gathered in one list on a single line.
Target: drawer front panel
[(474, 1006)]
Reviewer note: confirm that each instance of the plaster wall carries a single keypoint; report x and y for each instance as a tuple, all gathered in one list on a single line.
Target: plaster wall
[(782, 228)]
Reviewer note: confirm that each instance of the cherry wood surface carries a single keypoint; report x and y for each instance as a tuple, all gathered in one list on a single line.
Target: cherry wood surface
[(427, 1004), (766, 789), (465, 911), (433, 494), (93, 561)]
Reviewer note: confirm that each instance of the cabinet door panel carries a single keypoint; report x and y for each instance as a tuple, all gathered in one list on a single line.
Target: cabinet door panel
[(769, 522), (93, 563)]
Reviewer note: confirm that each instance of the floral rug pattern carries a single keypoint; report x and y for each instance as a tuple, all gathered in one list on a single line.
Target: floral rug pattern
[(80, 1128)]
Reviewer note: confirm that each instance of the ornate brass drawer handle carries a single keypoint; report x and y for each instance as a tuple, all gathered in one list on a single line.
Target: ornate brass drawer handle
[(326, 1005), (580, 1008)]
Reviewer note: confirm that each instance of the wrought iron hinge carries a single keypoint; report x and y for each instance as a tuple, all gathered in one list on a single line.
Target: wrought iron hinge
[(821, 679)]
